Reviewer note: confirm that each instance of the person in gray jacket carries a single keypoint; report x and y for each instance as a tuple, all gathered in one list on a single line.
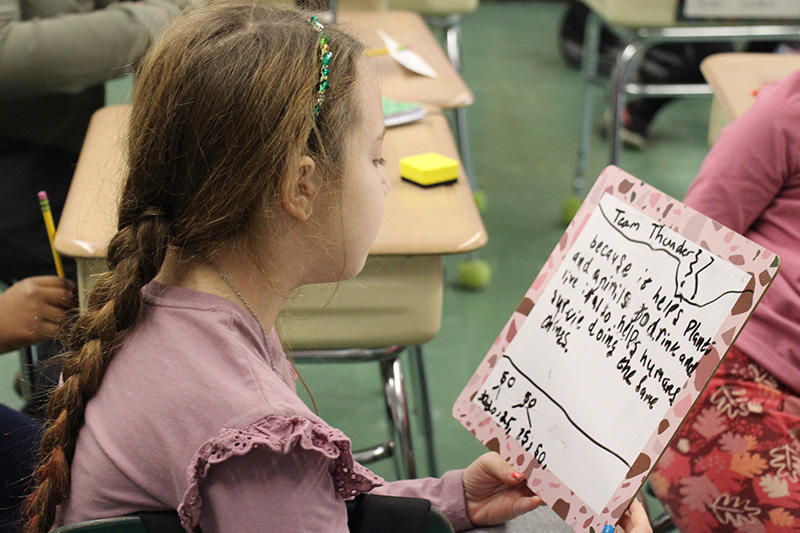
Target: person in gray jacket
[(55, 56)]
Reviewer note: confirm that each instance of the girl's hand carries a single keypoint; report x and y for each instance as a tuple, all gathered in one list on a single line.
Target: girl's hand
[(635, 519), (495, 492), (32, 310)]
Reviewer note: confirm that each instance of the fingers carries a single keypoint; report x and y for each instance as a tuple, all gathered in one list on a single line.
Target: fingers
[(49, 290), (51, 313), (527, 504), (58, 296), (57, 291), (495, 466), (48, 329), (635, 519)]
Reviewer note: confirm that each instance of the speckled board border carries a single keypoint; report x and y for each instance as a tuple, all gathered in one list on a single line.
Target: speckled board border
[(761, 264)]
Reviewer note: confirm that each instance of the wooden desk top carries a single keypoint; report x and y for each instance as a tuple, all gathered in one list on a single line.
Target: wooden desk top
[(736, 77), (440, 220), (397, 82)]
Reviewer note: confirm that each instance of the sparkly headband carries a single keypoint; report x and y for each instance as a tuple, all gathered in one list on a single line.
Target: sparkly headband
[(325, 56)]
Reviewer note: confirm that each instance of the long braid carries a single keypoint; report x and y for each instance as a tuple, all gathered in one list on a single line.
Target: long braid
[(135, 256)]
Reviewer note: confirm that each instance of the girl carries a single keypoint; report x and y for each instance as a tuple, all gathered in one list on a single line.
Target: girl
[(254, 168)]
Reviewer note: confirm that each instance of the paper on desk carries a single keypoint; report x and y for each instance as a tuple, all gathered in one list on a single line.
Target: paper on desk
[(407, 57)]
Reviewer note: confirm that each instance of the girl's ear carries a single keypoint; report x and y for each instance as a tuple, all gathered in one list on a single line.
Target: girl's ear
[(300, 188)]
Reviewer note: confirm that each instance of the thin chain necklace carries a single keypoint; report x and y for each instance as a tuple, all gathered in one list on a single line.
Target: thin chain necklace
[(252, 311)]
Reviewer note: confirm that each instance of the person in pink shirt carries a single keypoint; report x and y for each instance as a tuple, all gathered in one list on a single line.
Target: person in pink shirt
[(735, 463), (254, 167)]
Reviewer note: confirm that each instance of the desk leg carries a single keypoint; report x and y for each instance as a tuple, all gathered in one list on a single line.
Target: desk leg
[(419, 377), (453, 40), (397, 408), (88, 270), (589, 61), (627, 63)]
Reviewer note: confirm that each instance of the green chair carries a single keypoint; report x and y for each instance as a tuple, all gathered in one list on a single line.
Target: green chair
[(367, 513), (144, 522), (120, 524)]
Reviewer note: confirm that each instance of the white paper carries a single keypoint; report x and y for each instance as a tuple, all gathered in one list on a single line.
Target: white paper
[(407, 57)]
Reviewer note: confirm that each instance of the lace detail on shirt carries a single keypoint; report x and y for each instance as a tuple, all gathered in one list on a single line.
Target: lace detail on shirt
[(278, 434)]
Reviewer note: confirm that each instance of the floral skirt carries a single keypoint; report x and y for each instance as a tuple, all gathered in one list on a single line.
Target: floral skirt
[(734, 465)]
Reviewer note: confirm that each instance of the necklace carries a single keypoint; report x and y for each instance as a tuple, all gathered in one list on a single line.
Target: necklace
[(252, 311)]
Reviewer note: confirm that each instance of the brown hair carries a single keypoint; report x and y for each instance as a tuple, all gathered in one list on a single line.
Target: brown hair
[(223, 101)]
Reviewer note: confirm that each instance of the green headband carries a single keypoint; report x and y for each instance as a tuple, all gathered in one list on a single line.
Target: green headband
[(325, 56)]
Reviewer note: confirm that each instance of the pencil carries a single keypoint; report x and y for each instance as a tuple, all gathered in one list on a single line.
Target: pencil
[(376, 52), (44, 203)]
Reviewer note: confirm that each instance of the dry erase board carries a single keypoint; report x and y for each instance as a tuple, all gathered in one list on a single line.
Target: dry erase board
[(742, 10), (611, 346)]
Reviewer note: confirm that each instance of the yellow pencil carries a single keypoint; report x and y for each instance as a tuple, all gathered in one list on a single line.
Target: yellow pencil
[(376, 52), (44, 203)]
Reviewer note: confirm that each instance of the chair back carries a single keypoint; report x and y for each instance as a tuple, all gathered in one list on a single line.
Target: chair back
[(120, 524), (374, 513), (143, 522)]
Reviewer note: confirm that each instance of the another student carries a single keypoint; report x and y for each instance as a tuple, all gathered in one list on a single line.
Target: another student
[(254, 167), (31, 310), (55, 57), (735, 463)]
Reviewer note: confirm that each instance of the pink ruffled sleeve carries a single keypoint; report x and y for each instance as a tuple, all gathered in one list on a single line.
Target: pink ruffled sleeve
[(277, 474)]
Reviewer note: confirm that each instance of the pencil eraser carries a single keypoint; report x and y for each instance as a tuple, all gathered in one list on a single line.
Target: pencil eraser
[(42, 195), (429, 170)]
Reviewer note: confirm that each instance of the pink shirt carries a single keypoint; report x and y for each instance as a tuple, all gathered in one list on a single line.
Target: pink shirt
[(190, 416), (750, 182)]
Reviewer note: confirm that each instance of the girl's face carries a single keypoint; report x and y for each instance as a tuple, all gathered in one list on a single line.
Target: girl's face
[(365, 183)]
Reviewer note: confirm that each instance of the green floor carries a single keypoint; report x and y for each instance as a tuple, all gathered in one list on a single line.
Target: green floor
[(524, 130)]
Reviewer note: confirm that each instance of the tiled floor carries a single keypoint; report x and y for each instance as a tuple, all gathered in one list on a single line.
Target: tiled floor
[(524, 128)]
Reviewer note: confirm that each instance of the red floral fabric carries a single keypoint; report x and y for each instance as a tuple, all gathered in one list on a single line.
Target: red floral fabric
[(735, 463)]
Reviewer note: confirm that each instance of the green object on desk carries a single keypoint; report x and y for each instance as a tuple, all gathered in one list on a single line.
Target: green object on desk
[(396, 113)]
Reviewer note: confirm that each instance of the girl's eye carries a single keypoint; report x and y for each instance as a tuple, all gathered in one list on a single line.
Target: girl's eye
[(380, 161)]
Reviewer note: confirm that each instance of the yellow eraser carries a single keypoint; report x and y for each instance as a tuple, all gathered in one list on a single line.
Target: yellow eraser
[(429, 169)]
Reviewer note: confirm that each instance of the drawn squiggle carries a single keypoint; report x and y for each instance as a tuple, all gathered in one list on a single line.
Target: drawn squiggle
[(686, 284)]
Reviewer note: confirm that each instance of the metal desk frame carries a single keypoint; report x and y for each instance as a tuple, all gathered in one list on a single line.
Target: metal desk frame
[(636, 43)]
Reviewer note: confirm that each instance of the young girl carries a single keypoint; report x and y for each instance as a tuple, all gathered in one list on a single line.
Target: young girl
[(254, 168)]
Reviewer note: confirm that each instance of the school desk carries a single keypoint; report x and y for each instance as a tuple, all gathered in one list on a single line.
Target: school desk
[(448, 90), (409, 29), (640, 25), (735, 79), (417, 221)]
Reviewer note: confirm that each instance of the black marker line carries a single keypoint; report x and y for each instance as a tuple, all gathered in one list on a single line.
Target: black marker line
[(612, 226), (566, 414)]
